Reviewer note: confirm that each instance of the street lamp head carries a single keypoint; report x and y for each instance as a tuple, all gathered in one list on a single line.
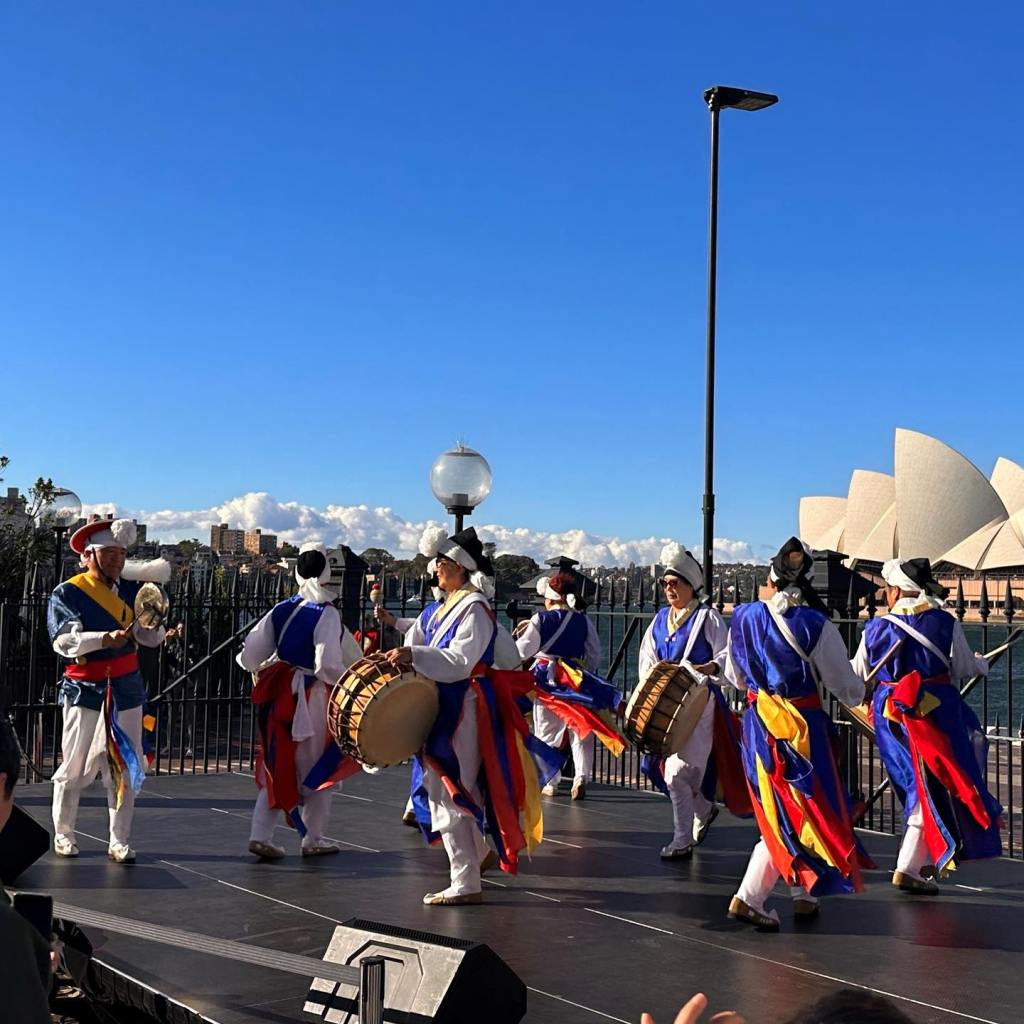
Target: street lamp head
[(63, 511), (460, 479), (721, 97)]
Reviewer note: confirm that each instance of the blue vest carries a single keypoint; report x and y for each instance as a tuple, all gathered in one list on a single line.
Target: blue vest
[(572, 643), (879, 636), (762, 653), (296, 647), (671, 648)]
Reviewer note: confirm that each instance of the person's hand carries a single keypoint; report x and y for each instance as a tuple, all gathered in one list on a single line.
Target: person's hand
[(400, 658), (116, 638), (708, 668), (381, 614), (691, 1013)]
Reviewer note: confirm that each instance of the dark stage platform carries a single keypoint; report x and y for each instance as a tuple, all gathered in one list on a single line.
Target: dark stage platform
[(596, 926)]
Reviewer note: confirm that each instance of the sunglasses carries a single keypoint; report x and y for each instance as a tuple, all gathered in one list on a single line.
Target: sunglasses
[(670, 581)]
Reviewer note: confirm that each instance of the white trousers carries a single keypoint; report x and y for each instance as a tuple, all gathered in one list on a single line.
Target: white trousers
[(84, 749), (550, 729), (760, 878), (463, 841), (913, 855), (684, 773), (316, 806)]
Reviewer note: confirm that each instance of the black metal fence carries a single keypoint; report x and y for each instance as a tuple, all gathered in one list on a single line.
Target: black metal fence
[(199, 696)]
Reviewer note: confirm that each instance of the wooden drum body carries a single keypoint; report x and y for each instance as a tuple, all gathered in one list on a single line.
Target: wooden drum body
[(381, 716), (665, 708)]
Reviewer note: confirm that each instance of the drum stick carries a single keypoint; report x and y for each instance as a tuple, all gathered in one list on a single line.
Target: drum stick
[(882, 663)]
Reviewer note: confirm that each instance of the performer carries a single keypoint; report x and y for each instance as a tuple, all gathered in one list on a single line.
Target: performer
[(475, 774), (299, 649), (931, 742), (404, 625), (688, 631), (567, 650), (91, 624), (783, 650)]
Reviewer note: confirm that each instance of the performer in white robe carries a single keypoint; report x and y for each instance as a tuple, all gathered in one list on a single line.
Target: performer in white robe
[(689, 632), (305, 634), (463, 793)]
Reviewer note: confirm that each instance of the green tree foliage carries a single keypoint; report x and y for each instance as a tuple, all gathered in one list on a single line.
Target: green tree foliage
[(515, 569), (378, 557), (287, 550), (24, 537)]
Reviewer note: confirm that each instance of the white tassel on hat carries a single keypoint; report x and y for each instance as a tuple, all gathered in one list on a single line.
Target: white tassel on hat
[(431, 540)]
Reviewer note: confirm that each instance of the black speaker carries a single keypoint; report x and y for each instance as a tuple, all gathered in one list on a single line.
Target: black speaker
[(427, 978), (22, 842)]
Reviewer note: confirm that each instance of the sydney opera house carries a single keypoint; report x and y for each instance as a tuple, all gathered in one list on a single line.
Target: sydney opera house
[(936, 504)]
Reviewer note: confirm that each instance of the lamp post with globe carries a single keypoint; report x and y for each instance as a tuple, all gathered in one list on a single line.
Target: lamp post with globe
[(61, 513), (460, 479)]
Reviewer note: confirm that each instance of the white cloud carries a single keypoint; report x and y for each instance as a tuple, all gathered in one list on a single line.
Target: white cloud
[(361, 527)]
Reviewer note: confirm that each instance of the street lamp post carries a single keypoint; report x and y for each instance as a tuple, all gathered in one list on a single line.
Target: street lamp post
[(62, 513), (460, 479), (718, 98)]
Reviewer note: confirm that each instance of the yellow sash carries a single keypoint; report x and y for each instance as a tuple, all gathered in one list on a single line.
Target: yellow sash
[(120, 612)]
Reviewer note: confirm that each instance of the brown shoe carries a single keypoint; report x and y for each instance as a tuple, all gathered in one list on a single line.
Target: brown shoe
[(265, 851), (919, 886), (409, 818), (489, 863), (439, 899), (805, 910), (579, 790), (321, 849), (740, 911)]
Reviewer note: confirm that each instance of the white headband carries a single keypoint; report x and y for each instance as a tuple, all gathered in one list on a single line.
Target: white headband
[(893, 574)]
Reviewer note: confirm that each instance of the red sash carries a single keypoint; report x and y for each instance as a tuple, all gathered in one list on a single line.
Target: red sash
[(107, 668)]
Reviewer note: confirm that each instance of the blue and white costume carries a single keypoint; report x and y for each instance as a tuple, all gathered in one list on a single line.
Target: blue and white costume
[(563, 634), (697, 635), (306, 633), (934, 748), (82, 612)]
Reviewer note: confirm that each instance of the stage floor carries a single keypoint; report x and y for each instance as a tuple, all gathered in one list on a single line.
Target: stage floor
[(596, 925)]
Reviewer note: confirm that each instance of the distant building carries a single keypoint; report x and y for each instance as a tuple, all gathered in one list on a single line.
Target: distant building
[(13, 510), (226, 541), (258, 543)]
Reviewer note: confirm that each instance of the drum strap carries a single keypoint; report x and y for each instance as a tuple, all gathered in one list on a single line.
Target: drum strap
[(557, 633), (919, 637), (787, 635), (695, 631)]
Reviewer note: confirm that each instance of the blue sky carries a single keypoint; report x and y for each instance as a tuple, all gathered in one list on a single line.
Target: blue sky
[(301, 248)]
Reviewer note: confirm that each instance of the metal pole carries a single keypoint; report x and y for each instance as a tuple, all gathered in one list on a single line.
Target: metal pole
[(371, 990), (709, 423), (58, 560), (458, 521)]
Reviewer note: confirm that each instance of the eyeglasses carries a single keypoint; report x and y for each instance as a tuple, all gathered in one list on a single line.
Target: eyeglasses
[(670, 581)]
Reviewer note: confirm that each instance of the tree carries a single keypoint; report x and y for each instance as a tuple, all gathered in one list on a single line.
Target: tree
[(287, 550), (188, 548), (22, 542), (409, 566), (515, 569), (379, 558)]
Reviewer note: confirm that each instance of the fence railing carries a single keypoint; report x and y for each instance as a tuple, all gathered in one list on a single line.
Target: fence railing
[(200, 698)]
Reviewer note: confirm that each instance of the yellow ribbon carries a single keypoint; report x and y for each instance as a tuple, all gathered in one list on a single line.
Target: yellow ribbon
[(120, 612), (784, 721), (533, 815)]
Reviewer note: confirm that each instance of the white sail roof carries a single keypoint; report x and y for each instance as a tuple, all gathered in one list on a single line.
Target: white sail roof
[(822, 522)]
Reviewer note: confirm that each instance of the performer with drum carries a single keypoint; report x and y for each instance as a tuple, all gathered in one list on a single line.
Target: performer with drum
[(92, 625), (299, 649), (567, 650), (932, 744), (694, 634), (783, 650), (475, 772)]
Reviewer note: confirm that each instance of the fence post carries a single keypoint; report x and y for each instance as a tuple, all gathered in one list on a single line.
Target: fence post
[(371, 990)]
